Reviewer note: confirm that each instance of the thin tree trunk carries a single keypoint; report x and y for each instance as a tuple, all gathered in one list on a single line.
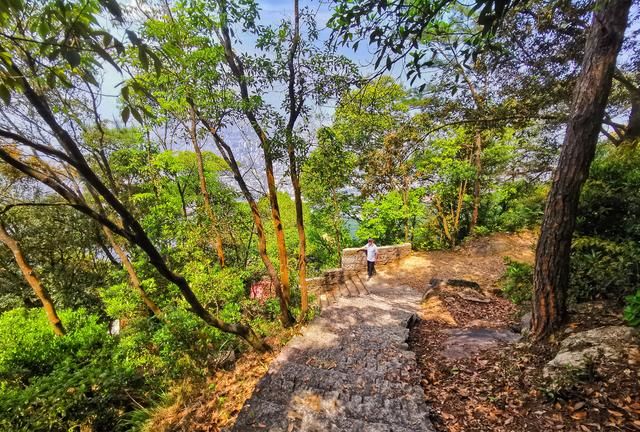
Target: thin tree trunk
[(133, 276), (286, 318), (551, 275), (443, 220), (279, 230), (294, 112), (237, 68), (477, 161), (217, 243), (302, 243), (33, 280), (132, 230), (405, 203), (336, 225)]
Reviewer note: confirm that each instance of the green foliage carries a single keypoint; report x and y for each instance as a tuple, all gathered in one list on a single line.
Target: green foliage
[(58, 243), (602, 268), (325, 176), (517, 281), (383, 218), (513, 206), (632, 311), (609, 202), (605, 256), (54, 383)]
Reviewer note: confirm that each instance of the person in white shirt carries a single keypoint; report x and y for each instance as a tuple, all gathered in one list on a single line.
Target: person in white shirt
[(372, 254)]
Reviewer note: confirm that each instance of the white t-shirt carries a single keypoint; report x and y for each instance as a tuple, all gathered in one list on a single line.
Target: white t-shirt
[(372, 251)]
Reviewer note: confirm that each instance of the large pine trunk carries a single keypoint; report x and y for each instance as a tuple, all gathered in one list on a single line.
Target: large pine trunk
[(551, 275), (34, 281)]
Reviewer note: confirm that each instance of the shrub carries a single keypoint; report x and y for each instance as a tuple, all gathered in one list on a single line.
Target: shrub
[(609, 202), (52, 383), (513, 206), (517, 281), (632, 311), (602, 268), (165, 350)]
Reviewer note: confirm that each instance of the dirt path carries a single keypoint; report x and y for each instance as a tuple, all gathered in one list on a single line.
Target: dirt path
[(480, 260)]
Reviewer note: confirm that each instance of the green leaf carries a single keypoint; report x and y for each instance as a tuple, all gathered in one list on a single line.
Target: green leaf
[(5, 94), (113, 7), (125, 114), (136, 115), (72, 56), (144, 58), (51, 79), (105, 55), (88, 76)]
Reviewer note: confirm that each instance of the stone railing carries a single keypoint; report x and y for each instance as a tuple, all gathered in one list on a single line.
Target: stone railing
[(354, 260)]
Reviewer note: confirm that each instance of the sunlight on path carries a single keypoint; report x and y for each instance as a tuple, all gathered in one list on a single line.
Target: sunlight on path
[(350, 370)]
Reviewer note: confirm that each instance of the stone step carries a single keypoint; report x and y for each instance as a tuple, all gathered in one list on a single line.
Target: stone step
[(386, 362), (315, 415), (333, 394), (336, 333), (287, 378)]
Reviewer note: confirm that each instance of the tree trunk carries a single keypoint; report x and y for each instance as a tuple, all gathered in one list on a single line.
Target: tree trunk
[(551, 275), (302, 239), (237, 69), (277, 224), (337, 225), (286, 318), (294, 112), (33, 280), (477, 161), (405, 203), (133, 276), (205, 192), (132, 231)]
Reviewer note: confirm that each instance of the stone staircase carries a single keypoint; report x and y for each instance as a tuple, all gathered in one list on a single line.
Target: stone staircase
[(349, 370)]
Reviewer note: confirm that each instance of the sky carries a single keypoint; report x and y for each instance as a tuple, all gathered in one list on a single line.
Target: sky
[(241, 138), (271, 13)]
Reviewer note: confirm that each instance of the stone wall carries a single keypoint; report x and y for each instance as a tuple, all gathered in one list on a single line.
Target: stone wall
[(328, 279), (355, 259)]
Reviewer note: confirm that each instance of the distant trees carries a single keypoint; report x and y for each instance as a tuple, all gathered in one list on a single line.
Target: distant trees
[(69, 63)]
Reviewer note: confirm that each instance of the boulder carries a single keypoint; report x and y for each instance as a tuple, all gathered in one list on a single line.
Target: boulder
[(463, 284), (525, 324), (600, 345), (470, 294)]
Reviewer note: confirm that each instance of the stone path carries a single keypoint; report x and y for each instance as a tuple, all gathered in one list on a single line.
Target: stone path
[(350, 370)]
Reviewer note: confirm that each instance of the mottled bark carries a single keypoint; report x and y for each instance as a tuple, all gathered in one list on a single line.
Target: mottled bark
[(294, 112), (206, 198), (551, 275), (131, 272), (477, 162), (33, 280)]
